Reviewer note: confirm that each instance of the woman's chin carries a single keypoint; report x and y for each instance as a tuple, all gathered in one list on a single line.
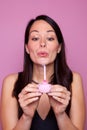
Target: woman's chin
[(42, 62)]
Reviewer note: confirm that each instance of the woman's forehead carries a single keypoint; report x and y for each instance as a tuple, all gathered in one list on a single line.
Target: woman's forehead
[(41, 25)]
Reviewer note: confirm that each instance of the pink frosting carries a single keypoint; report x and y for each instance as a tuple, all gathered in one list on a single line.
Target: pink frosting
[(44, 87)]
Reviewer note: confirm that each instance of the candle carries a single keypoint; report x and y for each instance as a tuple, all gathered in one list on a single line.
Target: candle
[(44, 87)]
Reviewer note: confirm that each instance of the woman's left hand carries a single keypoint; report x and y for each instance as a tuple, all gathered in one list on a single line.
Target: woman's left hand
[(59, 98)]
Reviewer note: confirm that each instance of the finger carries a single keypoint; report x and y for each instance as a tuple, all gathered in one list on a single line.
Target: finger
[(61, 94), (58, 88), (31, 95), (27, 102), (29, 88), (58, 94), (61, 100)]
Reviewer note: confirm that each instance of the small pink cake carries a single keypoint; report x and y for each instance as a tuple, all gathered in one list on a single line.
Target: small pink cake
[(44, 87)]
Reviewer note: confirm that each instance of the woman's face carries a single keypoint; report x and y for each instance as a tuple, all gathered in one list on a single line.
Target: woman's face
[(43, 45)]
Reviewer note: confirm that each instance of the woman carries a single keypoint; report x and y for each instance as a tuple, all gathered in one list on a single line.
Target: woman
[(24, 106)]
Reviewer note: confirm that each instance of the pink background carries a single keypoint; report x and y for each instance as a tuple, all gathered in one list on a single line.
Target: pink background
[(72, 18)]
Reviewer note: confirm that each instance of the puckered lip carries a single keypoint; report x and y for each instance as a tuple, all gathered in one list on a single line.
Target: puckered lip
[(42, 54)]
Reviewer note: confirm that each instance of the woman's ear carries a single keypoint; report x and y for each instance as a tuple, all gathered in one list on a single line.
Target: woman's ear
[(27, 50), (59, 48)]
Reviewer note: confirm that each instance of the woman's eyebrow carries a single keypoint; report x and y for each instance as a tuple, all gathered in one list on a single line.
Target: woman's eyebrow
[(50, 30), (38, 31), (34, 31)]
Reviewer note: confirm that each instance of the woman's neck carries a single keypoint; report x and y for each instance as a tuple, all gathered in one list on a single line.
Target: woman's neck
[(38, 73)]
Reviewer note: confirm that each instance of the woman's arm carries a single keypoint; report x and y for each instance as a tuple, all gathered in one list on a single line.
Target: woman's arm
[(77, 111), (59, 99), (9, 108)]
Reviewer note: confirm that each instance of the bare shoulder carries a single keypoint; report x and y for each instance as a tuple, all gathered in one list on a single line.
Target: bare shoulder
[(8, 82), (76, 76), (78, 98), (77, 85), (77, 80), (9, 104), (11, 77), (77, 112)]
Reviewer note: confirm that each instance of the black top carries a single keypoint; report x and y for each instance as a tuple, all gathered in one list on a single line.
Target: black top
[(49, 123)]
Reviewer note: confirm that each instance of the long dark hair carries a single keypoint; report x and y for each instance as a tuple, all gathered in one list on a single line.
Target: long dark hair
[(62, 73)]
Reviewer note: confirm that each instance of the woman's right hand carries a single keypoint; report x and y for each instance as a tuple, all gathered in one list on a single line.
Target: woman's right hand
[(28, 99)]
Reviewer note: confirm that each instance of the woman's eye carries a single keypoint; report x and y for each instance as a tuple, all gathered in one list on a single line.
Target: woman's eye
[(35, 38), (50, 39)]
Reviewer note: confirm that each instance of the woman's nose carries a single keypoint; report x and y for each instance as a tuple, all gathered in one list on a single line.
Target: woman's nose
[(43, 43)]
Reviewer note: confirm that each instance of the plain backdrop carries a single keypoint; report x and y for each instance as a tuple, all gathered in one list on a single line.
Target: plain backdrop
[(71, 15)]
